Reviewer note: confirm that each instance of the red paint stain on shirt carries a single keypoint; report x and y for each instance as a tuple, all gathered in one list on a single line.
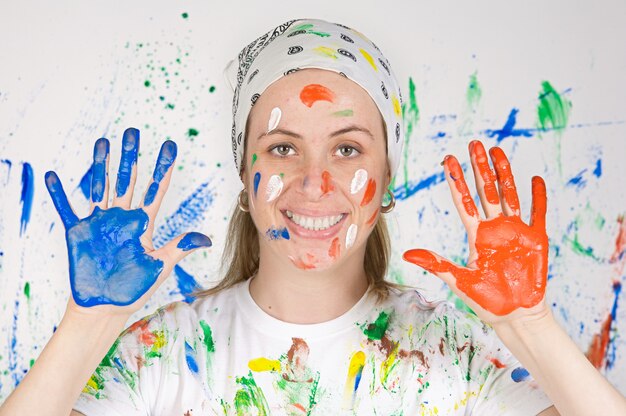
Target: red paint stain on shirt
[(497, 362), (315, 92), (369, 192)]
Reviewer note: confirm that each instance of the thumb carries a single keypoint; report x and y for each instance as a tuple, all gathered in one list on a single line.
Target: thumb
[(433, 263), (181, 246)]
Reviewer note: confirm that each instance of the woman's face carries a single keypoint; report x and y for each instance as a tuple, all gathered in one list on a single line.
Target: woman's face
[(316, 168)]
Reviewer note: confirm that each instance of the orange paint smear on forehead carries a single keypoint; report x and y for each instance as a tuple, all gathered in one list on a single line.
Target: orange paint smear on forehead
[(370, 191), (456, 173), (326, 186), (477, 152), (333, 251), (372, 218), (315, 92)]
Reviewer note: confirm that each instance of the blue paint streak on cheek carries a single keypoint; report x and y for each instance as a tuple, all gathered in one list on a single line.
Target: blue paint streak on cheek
[(108, 264), (167, 156), (187, 284), (130, 146), (28, 187), (277, 234), (98, 179), (190, 358), (257, 180), (519, 374), (194, 240)]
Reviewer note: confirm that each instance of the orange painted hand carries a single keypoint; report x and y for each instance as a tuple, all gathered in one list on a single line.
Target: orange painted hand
[(508, 259)]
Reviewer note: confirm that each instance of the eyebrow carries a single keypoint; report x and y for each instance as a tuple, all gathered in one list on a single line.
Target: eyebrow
[(345, 130)]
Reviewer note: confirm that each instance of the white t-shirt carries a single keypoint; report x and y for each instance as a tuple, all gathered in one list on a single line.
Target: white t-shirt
[(223, 355)]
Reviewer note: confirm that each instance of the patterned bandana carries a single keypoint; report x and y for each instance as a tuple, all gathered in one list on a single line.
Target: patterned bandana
[(313, 43)]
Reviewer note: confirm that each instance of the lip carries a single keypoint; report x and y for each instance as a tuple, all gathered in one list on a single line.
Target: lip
[(313, 234)]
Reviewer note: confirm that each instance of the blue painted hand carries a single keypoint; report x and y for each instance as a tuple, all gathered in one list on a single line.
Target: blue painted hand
[(112, 261)]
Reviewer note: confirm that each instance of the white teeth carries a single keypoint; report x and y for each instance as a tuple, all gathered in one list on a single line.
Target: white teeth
[(314, 223)]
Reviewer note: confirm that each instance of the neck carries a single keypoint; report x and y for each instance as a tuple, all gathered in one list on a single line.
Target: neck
[(308, 296)]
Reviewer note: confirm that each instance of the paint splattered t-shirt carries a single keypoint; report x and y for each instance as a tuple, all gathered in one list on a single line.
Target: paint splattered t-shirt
[(223, 355)]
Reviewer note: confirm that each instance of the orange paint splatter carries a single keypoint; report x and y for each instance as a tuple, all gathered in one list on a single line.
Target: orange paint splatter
[(597, 350), (478, 154), (333, 251), (369, 192), (373, 218), (144, 336), (497, 362), (301, 264), (456, 173), (505, 178), (315, 92), (327, 185)]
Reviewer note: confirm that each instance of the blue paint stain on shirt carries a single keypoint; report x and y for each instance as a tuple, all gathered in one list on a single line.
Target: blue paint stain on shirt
[(99, 172), (257, 180), (28, 187), (166, 158), (130, 147), (191, 359), (194, 240), (509, 130), (187, 284), (277, 233), (519, 374)]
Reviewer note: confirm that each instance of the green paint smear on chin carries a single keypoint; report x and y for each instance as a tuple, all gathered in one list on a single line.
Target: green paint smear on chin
[(376, 330), (250, 397), (474, 92), (553, 109)]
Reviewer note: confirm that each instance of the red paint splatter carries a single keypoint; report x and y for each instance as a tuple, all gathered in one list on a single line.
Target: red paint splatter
[(327, 185), (333, 251), (505, 178), (144, 336), (369, 192), (372, 218), (497, 362), (315, 92), (511, 265), (304, 265), (599, 344), (456, 173), (479, 156), (620, 244)]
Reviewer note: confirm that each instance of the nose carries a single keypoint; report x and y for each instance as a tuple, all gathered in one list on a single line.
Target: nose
[(317, 182)]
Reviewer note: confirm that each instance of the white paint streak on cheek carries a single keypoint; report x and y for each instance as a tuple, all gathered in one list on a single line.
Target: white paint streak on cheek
[(359, 180), (274, 187), (274, 119), (351, 235)]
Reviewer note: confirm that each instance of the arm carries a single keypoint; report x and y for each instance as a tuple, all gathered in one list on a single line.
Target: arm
[(505, 280)]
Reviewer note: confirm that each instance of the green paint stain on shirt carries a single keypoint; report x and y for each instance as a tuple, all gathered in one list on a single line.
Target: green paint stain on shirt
[(208, 336), (250, 399), (343, 113), (27, 290), (376, 330), (553, 109), (254, 158), (473, 93)]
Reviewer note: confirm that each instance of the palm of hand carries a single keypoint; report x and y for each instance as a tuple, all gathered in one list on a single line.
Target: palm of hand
[(108, 264)]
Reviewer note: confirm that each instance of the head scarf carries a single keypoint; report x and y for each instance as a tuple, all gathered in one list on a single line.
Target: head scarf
[(314, 43)]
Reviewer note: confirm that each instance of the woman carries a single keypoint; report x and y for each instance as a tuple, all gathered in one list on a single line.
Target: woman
[(303, 322)]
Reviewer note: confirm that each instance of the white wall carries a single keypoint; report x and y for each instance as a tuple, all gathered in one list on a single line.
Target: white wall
[(70, 73)]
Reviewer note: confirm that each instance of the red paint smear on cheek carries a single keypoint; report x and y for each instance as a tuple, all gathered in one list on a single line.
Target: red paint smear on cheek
[(327, 185), (456, 173), (369, 192), (333, 251), (315, 92), (372, 218), (477, 151)]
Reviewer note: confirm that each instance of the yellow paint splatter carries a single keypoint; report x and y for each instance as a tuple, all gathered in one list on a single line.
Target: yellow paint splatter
[(326, 51), (387, 365), (369, 58), (264, 364), (357, 362), (397, 108)]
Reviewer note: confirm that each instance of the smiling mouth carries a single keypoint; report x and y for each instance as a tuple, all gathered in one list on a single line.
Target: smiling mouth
[(314, 223)]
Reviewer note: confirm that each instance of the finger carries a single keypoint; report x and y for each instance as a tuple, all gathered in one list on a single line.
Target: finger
[(160, 181), (127, 172), (100, 175), (510, 203), (180, 247), (62, 205), (434, 263), (485, 180), (461, 196), (539, 204)]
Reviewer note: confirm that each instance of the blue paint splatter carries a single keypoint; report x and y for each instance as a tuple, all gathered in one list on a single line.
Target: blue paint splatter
[(509, 130), (187, 284), (277, 233), (12, 353), (519, 374), (9, 165), (257, 180), (166, 158), (191, 359), (611, 355), (578, 181), (407, 190), (99, 173), (189, 213), (85, 183), (598, 170), (28, 187), (194, 240), (130, 146)]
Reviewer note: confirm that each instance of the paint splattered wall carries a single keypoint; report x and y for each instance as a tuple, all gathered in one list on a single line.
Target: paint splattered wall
[(544, 81)]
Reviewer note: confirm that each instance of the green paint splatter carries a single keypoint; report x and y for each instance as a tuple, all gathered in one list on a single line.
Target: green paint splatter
[(343, 113), (31, 363), (169, 106), (376, 330), (250, 399), (146, 83), (208, 336), (474, 92), (27, 290), (306, 27), (410, 116), (185, 15), (553, 109), (212, 88), (192, 133), (254, 158)]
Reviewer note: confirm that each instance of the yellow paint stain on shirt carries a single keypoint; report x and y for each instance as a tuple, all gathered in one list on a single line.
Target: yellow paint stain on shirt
[(369, 58), (326, 51), (355, 369), (388, 365), (159, 340), (397, 108), (264, 364)]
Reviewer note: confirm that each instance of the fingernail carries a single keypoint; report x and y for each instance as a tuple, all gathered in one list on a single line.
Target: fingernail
[(194, 240)]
